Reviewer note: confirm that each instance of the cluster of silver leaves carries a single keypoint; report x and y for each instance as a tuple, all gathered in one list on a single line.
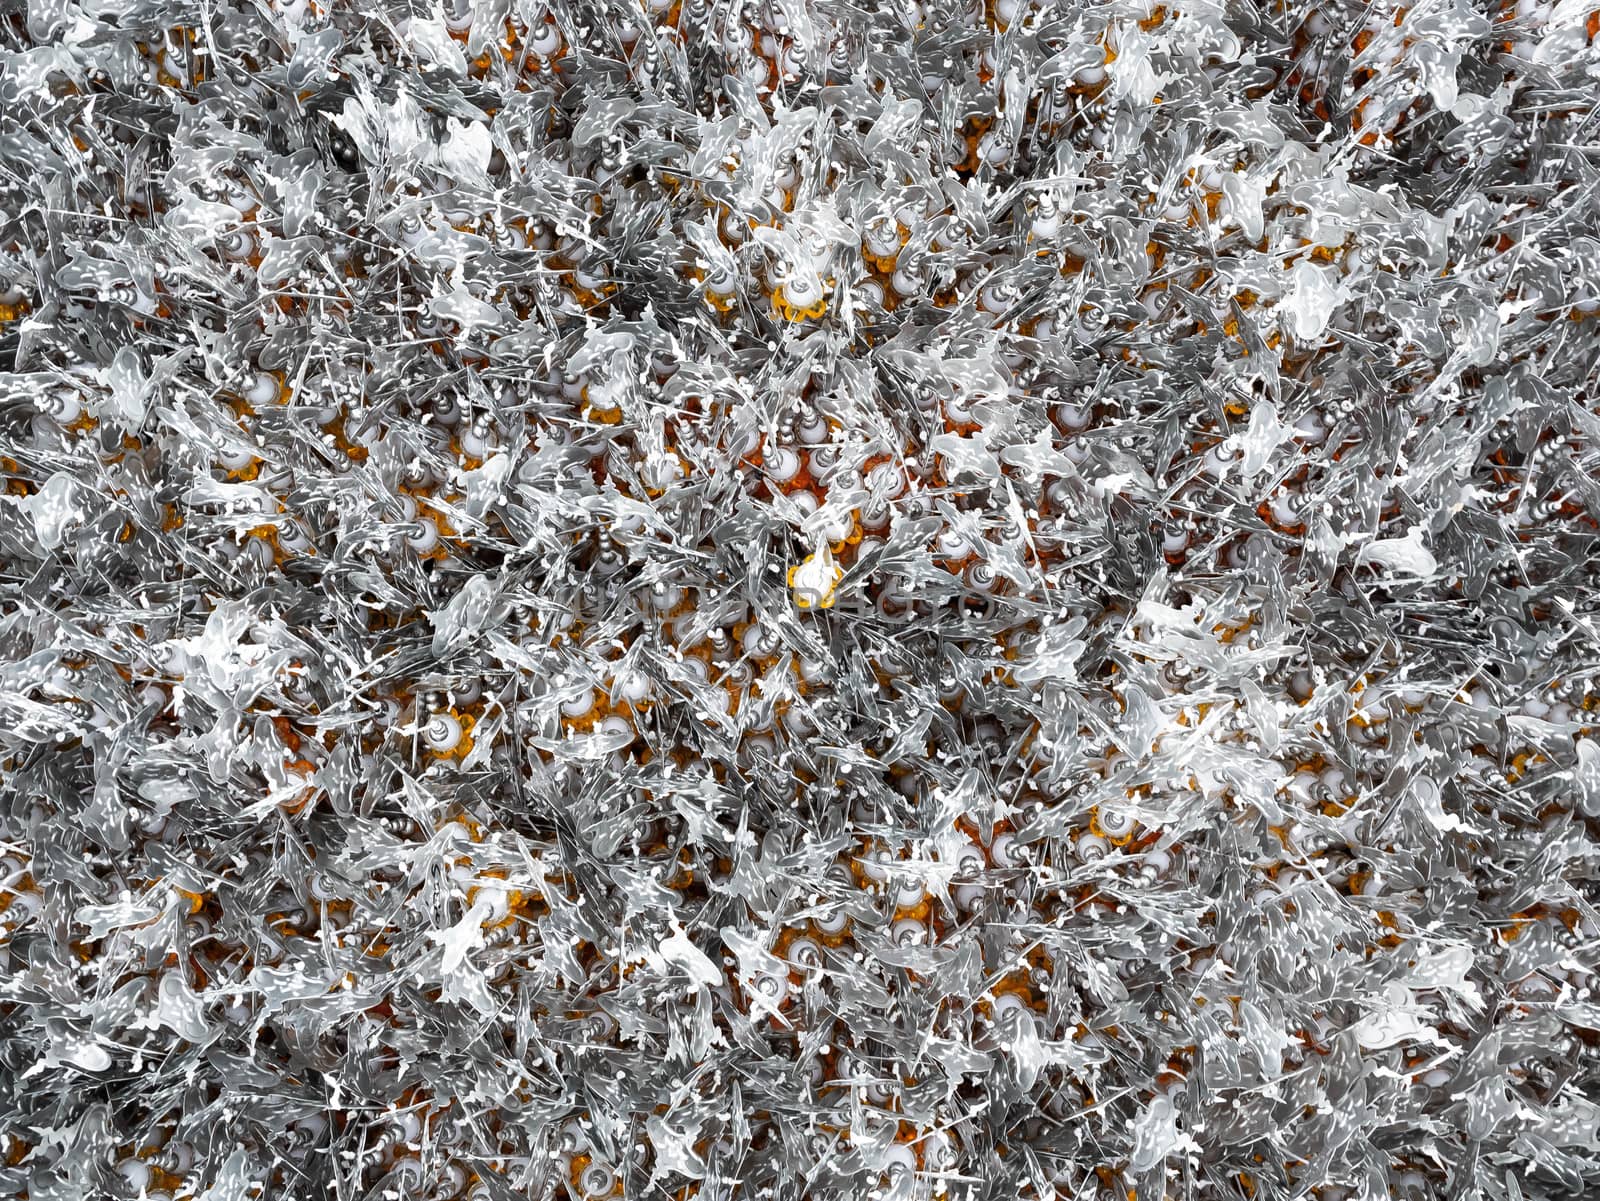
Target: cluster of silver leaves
[(790, 600)]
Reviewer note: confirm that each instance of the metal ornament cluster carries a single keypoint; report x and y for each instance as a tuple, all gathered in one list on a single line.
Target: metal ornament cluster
[(792, 601)]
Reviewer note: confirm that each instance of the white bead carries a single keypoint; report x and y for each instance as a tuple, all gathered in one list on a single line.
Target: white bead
[(442, 733)]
